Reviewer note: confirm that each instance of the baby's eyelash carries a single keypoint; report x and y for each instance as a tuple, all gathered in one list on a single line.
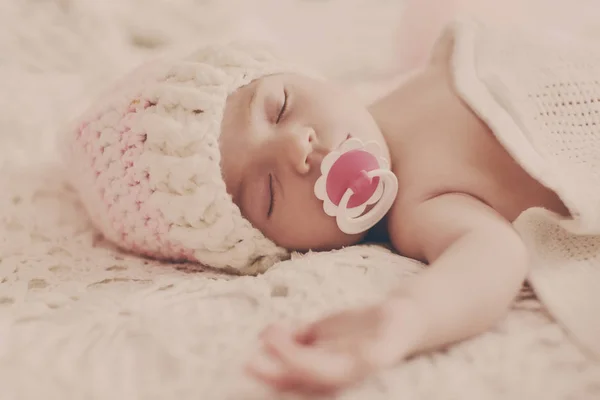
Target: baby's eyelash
[(272, 196), (283, 107)]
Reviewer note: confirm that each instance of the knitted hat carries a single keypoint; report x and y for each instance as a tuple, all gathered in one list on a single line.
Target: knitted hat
[(146, 161)]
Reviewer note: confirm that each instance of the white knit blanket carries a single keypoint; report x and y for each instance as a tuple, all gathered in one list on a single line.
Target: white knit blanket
[(81, 320), (540, 95)]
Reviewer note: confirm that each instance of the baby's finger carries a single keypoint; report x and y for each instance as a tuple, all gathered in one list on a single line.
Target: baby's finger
[(268, 371), (310, 365), (325, 328), (306, 335), (275, 331)]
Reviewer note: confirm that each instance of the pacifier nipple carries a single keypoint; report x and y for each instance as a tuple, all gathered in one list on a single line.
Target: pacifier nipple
[(354, 177)]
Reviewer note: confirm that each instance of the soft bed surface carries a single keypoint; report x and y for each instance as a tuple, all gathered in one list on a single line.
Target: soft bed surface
[(82, 320)]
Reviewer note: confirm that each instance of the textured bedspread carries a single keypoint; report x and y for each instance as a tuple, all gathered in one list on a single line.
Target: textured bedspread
[(81, 320)]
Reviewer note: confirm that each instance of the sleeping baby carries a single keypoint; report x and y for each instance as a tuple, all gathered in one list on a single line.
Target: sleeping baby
[(233, 158)]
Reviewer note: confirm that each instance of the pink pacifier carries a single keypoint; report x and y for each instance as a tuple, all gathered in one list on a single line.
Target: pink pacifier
[(353, 177)]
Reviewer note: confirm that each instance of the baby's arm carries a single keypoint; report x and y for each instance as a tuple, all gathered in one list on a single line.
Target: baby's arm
[(477, 265)]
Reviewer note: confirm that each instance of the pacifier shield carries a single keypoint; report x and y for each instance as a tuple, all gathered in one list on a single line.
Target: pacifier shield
[(354, 177), (349, 172)]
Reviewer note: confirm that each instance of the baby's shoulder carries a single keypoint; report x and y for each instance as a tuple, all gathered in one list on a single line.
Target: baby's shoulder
[(423, 228), (449, 169), (403, 224)]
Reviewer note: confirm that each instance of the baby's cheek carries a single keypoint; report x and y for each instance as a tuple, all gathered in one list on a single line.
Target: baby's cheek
[(301, 229), (324, 234)]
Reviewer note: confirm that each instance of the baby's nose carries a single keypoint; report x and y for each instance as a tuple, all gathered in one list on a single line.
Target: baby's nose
[(300, 145)]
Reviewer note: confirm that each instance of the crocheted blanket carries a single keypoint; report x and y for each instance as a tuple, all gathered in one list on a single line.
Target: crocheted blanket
[(80, 319)]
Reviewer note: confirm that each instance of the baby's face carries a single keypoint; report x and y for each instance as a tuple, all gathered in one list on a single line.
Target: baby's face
[(275, 133)]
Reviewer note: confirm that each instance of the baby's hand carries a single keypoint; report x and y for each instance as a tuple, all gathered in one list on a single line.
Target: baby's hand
[(337, 351)]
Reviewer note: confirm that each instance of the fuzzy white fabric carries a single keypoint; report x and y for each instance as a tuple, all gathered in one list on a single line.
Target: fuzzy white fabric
[(79, 319), (541, 96)]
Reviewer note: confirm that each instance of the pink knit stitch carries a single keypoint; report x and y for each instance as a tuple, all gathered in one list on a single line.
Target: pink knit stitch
[(110, 154)]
